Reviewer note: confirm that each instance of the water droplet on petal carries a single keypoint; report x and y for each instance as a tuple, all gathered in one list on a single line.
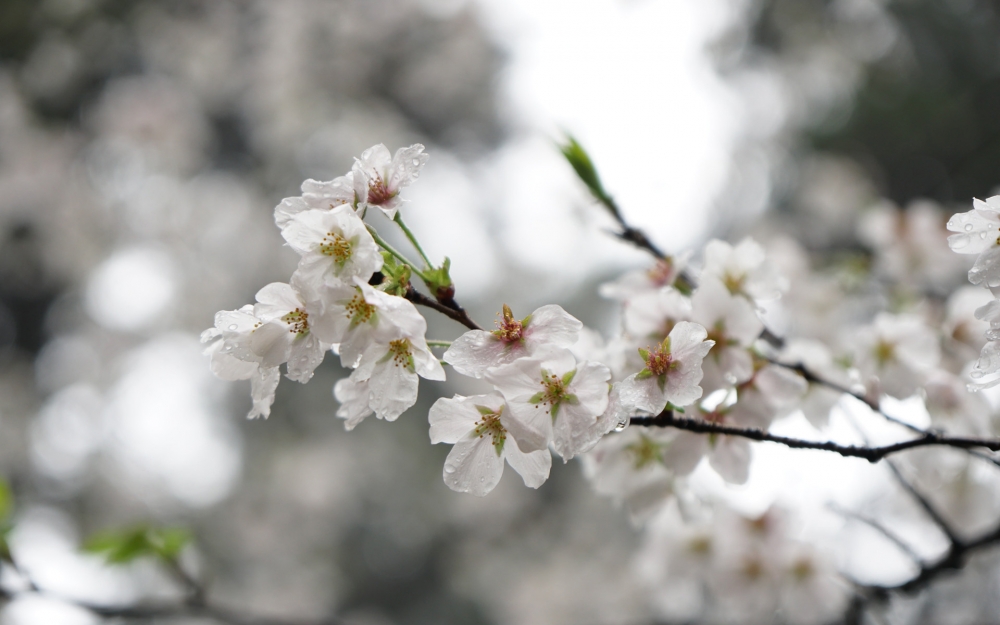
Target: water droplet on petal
[(969, 227), (449, 469), (622, 424), (730, 378), (976, 374), (416, 162), (233, 326), (982, 235)]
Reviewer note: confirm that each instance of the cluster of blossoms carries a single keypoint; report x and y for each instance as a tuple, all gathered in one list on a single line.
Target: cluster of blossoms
[(693, 342), (329, 304)]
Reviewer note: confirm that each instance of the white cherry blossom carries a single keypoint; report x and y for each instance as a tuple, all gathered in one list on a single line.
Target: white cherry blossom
[(295, 328), (379, 177), (361, 315), (335, 246), (743, 269), (639, 467), (230, 337), (663, 274), (653, 314), (979, 233), (480, 429), (391, 369), (672, 371), (352, 394), (555, 398), (897, 352), (326, 195), (478, 350), (733, 324)]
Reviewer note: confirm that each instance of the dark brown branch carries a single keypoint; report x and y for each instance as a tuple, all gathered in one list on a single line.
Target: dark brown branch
[(926, 506), (451, 309), (871, 454)]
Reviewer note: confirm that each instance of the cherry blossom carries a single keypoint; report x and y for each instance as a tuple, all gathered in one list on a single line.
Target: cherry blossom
[(230, 337), (733, 325), (979, 233), (476, 351), (378, 178), (672, 370), (326, 195), (295, 328), (555, 399), (743, 269), (896, 351), (335, 246), (479, 428)]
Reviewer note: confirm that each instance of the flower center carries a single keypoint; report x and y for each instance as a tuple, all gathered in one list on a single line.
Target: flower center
[(803, 569), (490, 424), (509, 329), (378, 193), (644, 452), (334, 244), (401, 353), (554, 393), (885, 352), (658, 359), (734, 283), (662, 273), (298, 322), (359, 311)]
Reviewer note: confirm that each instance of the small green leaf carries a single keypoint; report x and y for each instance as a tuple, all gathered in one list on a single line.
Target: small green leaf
[(124, 546), (644, 353), (566, 379), (486, 411), (6, 501), (642, 375), (537, 397), (580, 161)]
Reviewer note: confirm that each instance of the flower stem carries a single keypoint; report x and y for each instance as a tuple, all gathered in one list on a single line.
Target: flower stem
[(384, 245), (409, 235), (433, 343)]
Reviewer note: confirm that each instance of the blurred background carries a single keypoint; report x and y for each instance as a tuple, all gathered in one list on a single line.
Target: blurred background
[(145, 143)]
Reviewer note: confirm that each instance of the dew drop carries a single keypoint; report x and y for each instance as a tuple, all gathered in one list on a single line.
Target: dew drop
[(233, 326), (982, 235), (449, 469), (730, 378), (482, 479), (976, 374), (416, 162), (969, 227), (622, 424)]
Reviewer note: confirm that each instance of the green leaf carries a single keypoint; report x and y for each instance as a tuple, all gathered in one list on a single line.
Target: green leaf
[(124, 546), (580, 161), (6, 501)]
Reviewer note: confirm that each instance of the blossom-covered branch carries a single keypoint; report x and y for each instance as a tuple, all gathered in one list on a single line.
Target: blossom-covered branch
[(872, 454)]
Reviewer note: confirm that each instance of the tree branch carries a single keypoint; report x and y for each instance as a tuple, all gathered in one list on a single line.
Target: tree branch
[(449, 308), (871, 454)]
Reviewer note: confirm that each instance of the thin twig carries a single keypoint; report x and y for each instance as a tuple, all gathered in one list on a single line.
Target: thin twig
[(871, 454), (883, 530), (927, 506)]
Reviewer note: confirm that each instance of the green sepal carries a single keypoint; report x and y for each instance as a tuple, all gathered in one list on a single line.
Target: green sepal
[(5, 546), (537, 397), (525, 321), (498, 443), (571, 399), (486, 411), (644, 353), (397, 275), (674, 408), (644, 374), (568, 377), (555, 411), (438, 280)]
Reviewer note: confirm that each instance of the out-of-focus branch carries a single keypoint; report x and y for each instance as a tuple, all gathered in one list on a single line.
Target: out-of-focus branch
[(871, 454)]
